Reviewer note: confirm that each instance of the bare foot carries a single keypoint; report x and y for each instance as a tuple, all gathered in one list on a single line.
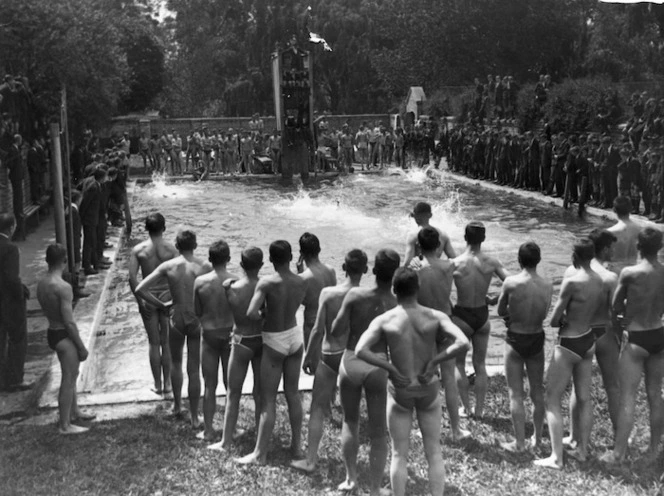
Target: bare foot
[(577, 454), (196, 423), (535, 443), (460, 435), (548, 463), (206, 436), (609, 458), (157, 390), (384, 491), (513, 447), (218, 447), (304, 466), (347, 486), (250, 459), (73, 429), (569, 442), (239, 433), (463, 413)]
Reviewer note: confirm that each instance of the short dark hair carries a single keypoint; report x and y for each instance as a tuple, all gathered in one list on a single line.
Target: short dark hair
[(75, 195), (649, 242), (622, 205), (185, 241), (309, 245), (584, 249), (475, 233), (219, 253), (7, 221), (55, 254), (356, 261), (113, 171), (386, 263), (428, 238), (99, 173), (601, 238), (280, 252), (252, 258), (529, 255), (405, 282), (155, 223)]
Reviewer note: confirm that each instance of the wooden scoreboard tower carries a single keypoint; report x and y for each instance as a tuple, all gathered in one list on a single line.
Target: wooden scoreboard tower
[(292, 77)]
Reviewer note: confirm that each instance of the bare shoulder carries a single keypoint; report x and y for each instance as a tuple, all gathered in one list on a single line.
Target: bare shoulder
[(140, 248), (63, 289), (570, 271)]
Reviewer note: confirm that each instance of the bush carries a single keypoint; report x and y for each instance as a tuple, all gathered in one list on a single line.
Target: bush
[(529, 112)]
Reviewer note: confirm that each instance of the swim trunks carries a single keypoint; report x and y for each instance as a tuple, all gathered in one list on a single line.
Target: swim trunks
[(526, 345), (163, 295), (286, 342), (652, 340), (578, 345), (252, 343), (215, 339), (332, 360), (599, 330), (419, 396), (357, 370), (474, 317), (54, 336), (185, 322)]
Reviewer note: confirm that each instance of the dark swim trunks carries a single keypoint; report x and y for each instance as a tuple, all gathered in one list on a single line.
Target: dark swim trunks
[(251, 343), (526, 345), (652, 341), (215, 339), (54, 336), (332, 360), (599, 330), (185, 322), (579, 345), (419, 397), (474, 317)]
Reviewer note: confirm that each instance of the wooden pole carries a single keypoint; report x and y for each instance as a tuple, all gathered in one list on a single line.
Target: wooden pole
[(58, 201), (71, 261)]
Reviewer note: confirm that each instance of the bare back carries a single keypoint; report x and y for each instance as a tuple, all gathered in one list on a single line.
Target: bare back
[(181, 274), (529, 299), (436, 277), (148, 255), (331, 299), (317, 277), (582, 295), (610, 281), (212, 306), (284, 293), (239, 294), (643, 287), (472, 277), (51, 291), (366, 305), (624, 249)]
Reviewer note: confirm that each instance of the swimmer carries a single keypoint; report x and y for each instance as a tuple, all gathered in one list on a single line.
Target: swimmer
[(422, 215), (607, 346), (324, 353), (473, 271), (214, 314), (639, 298), (436, 277), (359, 308), (55, 297), (147, 256), (317, 276), (282, 294), (180, 273), (524, 302), (626, 231), (411, 332), (581, 295), (247, 344)]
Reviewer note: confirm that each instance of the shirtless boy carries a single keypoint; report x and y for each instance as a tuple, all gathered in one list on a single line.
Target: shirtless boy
[(359, 308), (607, 346), (473, 271), (581, 295), (324, 353), (180, 273), (524, 302), (147, 256), (214, 314), (282, 294), (435, 278), (411, 333), (639, 298), (247, 344), (422, 215), (626, 231), (317, 276), (55, 297)]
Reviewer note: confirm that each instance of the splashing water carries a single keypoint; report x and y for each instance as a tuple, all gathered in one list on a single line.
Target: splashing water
[(160, 188)]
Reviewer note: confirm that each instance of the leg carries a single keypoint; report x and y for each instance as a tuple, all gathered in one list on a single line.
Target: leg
[(375, 391), (535, 371), (271, 370), (654, 368), (194, 374), (351, 396), (429, 421), (480, 344), (210, 366), (165, 352), (463, 386), (69, 362), (176, 342), (152, 325), (399, 422), (608, 355), (582, 384), (514, 376), (291, 370), (447, 369)]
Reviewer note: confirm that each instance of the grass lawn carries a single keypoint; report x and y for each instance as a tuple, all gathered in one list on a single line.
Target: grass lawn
[(158, 455)]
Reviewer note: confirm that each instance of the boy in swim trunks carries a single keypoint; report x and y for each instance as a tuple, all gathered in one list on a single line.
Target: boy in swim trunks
[(247, 344), (421, 214), (473, 271), (360, 306), (317, 276), (216, 318), (626, 231), (324, 353), (282, 293), (581, 294), (639, 298), (436, 277), (147, 256), (607, 346), (524, 303), (412, 333), (55, 297), (180, 273)]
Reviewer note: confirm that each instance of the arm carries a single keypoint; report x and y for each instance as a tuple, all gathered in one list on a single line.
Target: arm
[(312, 355), (257, 301), (557, 319), (66, 295), (410, 250), (448, 248), (369, 338), (620, 295), (198, 305), (503, 300), (10, 271), (341, 323), (460, 344), (142, 290)]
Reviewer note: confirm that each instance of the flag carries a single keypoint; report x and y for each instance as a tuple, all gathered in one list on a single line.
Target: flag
[(318, 40)]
